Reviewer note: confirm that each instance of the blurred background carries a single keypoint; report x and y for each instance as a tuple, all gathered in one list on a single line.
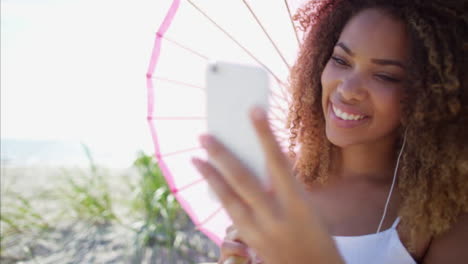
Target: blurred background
[(78, 181), (73, 71)]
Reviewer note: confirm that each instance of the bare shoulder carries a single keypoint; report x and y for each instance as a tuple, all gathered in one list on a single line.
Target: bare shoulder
[(450, 247)]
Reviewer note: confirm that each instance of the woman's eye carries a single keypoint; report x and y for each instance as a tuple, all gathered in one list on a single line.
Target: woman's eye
[(339, 61), (388, 78)]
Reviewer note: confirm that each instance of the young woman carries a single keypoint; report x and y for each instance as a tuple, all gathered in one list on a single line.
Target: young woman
[(380, 115)]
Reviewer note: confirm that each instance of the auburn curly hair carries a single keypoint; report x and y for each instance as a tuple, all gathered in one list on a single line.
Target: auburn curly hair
[(433, 173)]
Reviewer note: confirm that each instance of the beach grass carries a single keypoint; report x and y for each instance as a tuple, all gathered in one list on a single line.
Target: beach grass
[(96, 215)]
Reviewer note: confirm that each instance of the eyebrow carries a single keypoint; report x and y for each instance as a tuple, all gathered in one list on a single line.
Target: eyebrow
[(383, 62), (345, 48)]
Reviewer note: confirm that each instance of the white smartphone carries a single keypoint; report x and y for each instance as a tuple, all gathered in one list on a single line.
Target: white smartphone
[(232, 90)]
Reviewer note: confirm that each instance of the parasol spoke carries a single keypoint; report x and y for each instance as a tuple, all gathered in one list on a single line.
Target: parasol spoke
[(178, 82), (267, 35), (274, 119), (282, 88), (283, 98), (281, 134), (275, 102), (277, 129), (177, 152), (248, 52), (181, 189), (292, 22), (279, 96), (204, 221), (275, 116), (274, 125), (281, 137), (278, 108), (182, 46), (285, 95)]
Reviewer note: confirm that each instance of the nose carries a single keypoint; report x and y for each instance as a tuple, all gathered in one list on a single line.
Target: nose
[(352, 89)]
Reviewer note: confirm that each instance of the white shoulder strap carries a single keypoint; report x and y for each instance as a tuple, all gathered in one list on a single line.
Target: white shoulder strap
[(397, 220)]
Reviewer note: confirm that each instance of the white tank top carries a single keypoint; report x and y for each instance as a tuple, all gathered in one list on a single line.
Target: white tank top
[(383, 248)]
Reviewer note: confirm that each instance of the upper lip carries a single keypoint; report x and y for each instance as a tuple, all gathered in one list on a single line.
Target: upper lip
[(348, 109)]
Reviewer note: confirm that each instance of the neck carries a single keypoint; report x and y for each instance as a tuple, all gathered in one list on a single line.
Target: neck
[(369, 162)]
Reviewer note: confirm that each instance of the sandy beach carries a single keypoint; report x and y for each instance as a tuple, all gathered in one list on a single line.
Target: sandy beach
[(44, 220)]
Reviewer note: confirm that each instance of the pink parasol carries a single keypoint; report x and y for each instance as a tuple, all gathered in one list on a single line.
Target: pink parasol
[(193, 34)]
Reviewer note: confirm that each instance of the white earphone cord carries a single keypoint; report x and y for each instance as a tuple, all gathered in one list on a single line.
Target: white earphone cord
[(393, 183)]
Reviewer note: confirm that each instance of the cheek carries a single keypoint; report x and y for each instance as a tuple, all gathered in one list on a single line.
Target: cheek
[(326, 80), (387, 105), (326, 77)]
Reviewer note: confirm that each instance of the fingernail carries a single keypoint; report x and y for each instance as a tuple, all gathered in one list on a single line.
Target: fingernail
[(196, 162), (258, 113), (206, 141)]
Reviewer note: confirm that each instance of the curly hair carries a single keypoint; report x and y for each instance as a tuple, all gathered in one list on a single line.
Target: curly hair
[(433, 173)]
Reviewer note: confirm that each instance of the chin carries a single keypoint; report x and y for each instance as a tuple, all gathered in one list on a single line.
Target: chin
[(343, 141)]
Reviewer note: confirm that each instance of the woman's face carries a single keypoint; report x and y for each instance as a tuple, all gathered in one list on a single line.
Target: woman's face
[(363, 80)]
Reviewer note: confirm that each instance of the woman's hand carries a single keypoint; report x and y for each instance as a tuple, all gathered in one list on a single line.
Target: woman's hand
[(279, 224), (234, 250)]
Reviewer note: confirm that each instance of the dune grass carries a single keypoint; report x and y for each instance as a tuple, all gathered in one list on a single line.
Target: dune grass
[(159, 230)]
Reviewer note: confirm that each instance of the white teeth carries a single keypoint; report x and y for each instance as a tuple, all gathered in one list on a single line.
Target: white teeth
[(346, 116)]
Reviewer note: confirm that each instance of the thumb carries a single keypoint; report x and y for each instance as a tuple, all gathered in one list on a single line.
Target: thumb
[(236, 260)]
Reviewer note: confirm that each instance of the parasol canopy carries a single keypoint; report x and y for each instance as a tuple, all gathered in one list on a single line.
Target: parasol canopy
[(192, 35)]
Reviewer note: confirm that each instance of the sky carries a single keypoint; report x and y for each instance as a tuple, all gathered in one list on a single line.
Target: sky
[(74, 70)]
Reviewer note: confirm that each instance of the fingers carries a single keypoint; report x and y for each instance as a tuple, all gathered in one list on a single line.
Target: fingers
[(235, 206), (277, 162), (230, 228), (231, 248), (236, 260), (233, 235), (235, 173)]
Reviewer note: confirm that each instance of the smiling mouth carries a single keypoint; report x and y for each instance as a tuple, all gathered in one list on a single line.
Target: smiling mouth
[(346, 116)]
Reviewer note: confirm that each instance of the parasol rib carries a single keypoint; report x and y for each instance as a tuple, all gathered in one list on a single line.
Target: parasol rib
[(266, 34), (282, 90), (292, 22), (185, 47), (281, 134), (277, 108), (275, 101), (206, 58), (237, 42), (278, 80), (273, 114), (219, 210), (276, 117), (281, 137), (179, 190), (280, 97), (178, 152), (178, 82)]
